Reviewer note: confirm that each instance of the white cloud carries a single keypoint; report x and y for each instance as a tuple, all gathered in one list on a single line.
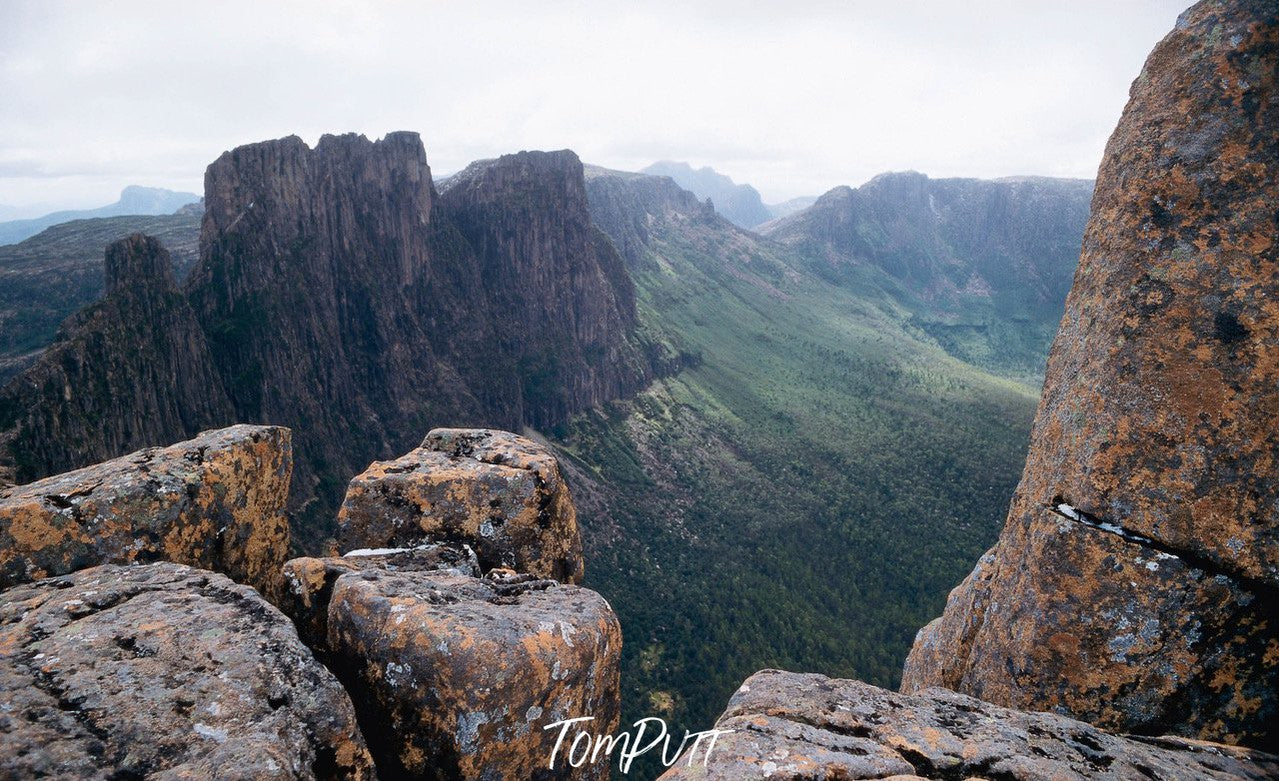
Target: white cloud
[(793, 98)]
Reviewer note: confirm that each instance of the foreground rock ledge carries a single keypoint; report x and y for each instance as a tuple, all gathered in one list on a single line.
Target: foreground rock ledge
[(798, 726), (500, 493), (455, 677), (213, 502), (164, 671)]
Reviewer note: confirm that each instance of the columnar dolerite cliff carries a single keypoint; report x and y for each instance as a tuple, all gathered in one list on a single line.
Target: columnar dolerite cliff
[(340, 295), (319, 279), (131, 370), (1136, 583), (561, 301)]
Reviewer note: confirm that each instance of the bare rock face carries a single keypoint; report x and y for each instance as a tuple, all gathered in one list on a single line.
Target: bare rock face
[(133, 370), (344, 297), (338, 293), (214, 502), (163, 671), (798, 726), (308, 582), (554, 281), (1136, 583), (455, 677), (500, 493)]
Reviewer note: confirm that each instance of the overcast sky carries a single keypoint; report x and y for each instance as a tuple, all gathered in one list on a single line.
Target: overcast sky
[(793, 97)]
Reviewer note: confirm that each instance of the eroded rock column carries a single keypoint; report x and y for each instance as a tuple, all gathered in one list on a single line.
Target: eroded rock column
[(1135, 581)]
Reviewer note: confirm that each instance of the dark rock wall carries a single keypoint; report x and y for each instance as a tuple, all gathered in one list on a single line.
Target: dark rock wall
[(129, 371), (340, 295)]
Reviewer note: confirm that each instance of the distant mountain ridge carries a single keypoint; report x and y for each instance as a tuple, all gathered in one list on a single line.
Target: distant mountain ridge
[(740, 203), (983, 265), (134, 199)]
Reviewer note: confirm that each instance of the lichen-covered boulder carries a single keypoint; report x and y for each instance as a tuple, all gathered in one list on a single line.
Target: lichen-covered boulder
[(456, 677), (168, 672), (1135, 582), (213, 502), (500, 493), (800, 726), (308, 582)]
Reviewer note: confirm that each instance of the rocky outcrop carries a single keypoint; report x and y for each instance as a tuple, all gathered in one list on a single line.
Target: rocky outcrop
[(553, 280), (49, 277), (131, 371), (339, 294), (308, 582), (163, 671), (455, 676), (214, 502), (797, 726), (500, 493), (1136, 582)]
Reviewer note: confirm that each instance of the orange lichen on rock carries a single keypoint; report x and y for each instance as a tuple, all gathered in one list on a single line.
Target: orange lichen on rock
[(308, 582), (1135, 583), (458, 676), (500, 493), (214, 502)]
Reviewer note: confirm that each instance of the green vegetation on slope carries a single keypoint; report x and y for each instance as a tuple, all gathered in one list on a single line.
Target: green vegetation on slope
[(805, 497)]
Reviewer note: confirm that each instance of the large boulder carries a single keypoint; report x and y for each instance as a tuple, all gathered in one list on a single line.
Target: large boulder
[(500, 493), (1136, 582), (800, 726), (213, 502), (168, 672), (457, 677), (308, 581)]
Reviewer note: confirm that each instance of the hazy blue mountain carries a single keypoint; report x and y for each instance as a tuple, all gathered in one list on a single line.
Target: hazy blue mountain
[(740, 203), (793, 206), (134, 199)]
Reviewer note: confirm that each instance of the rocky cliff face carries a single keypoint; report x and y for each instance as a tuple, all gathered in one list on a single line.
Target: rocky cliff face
[(624, 205), (339, 294), (561, 302), (1135, 582), (49, 277), (984, 265), (132, 370)]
